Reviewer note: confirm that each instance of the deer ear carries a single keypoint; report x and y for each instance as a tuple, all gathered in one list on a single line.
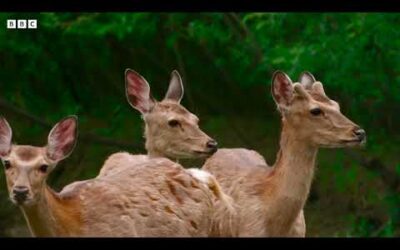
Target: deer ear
[(306, 79), (175, 89), (282, 89), (62, 139), (138, 92), (5, 137)]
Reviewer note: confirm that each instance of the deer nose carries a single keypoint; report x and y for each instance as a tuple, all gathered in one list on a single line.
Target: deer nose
[(360, 133), (212, 145), (20, 191)]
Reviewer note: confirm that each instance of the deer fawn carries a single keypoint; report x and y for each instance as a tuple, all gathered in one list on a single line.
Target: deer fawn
[(170, 129), (158, 198), (271, 200)]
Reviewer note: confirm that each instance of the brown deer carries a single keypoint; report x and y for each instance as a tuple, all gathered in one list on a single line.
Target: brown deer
[(156, 198), (171, 131), (271, 200)]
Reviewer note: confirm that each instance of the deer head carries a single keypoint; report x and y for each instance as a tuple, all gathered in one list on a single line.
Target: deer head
[(27, 167), (171, 130), (311, 114)]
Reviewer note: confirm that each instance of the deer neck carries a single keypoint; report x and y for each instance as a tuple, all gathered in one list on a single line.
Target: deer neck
[(49, 217), (151, 148), (152, 151), (157, 154), (292, 175)]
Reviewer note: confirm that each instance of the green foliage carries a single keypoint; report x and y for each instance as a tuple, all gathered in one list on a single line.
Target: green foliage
[(74, 64)]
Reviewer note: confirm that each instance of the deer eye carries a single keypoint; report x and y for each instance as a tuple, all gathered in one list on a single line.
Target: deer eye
[(316, 111), (43, 168), (7, 164), (173, 123)]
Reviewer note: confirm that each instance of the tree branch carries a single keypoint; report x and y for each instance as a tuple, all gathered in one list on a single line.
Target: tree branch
[(88, 137), (244, 32)]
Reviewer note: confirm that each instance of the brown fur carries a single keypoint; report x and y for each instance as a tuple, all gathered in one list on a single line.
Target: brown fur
[(26, 153), (155, 197), (159, 205), (183, 141), (162, 199), (271, 199)]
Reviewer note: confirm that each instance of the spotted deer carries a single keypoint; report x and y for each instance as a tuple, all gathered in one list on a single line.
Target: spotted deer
[(157, 198), (271, 200)]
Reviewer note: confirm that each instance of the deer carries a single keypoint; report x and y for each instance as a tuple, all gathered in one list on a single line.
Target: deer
[(171, 130), (271, 200), (157, 198)]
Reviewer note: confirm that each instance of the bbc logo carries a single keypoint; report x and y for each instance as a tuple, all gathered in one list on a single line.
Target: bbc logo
[(21, 24)]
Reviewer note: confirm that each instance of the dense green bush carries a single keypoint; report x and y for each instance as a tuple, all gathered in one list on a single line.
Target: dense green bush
[(74, 64)]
